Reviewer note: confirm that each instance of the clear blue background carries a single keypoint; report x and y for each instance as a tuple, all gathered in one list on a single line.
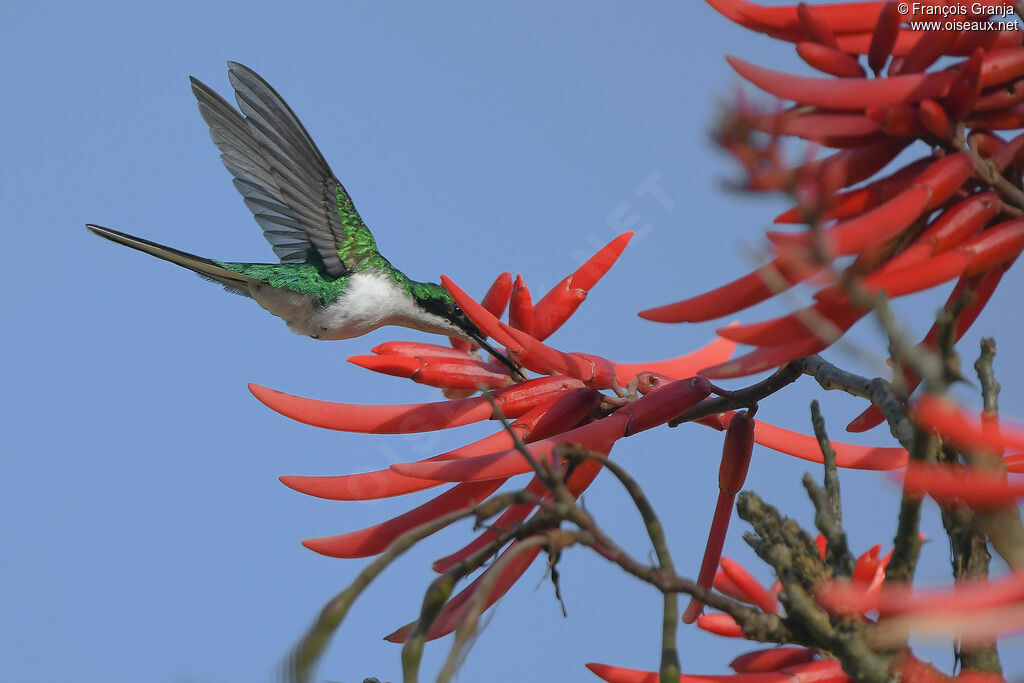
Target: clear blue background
[(146, 537)]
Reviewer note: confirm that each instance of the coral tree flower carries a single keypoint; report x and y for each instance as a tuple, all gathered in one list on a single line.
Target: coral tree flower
[(566, 403), (965, 428), (829, 671), (769, 665), (736, 452), (970, 234), (939, 218), (736, 582), (974, 611), (576, 398)]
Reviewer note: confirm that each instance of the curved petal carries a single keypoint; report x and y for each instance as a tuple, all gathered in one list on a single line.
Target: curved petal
[(718, 351)]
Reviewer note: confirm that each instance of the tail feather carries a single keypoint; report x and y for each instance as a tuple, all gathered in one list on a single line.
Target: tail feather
[(204, 267)]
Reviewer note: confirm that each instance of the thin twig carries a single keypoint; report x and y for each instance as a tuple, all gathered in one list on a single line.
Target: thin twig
[(1003, 526), (987, 172), (876, 390), (542, 472), (670, 669), (968, 549), (907, 542), (467, 624), (986, 375), (756, 625), (791, 552), (300, 664), (746, 397), (440, 589), (828, 510), (829, 456)]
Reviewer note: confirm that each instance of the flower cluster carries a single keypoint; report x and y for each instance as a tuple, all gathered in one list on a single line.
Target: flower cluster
[(577, 398), (770, 664), (955, 213)]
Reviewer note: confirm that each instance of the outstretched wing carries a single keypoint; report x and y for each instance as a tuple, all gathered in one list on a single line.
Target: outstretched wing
[(283, 177)]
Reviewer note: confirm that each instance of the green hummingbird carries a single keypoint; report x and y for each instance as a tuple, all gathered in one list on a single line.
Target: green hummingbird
[(331, 282)]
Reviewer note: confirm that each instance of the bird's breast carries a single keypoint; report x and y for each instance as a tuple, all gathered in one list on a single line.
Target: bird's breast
[(368, 301)]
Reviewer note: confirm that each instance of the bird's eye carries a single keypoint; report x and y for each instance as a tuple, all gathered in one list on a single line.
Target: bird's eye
[(322, 328)]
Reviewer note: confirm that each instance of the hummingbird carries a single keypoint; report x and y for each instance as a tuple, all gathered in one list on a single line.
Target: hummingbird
[(331, 281)]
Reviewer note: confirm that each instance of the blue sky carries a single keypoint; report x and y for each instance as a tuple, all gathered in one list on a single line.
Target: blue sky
[(147, 536)]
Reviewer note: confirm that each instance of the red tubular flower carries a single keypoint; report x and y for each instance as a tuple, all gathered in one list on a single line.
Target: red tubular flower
[(867, 564), (815, 26), (520, 314), (983, 286), (736, 582), (966, 598), (1014, 463), (965, 428), (556, 306), (861, 594), (556, 408), (682, 366), (835, 309), (909, 668), (392, 419), (771, 659), (872, 119), (376, 539), (830, 60), (952, 483), (442, 372), (724, 585), (830, 129), (540, 421), (747, 584), (829, 671), (844, 18), (765, 282), (453, 610), (859, 28), (739, 444), (497, 297), (720, 624), (855, 234), (410, 349), (508, 519), (897, 120), (855, 202), (936, 120), (582, 476), (806, 447), (648, 411), (587, 367), (926, 50), (514, 401), (736, 451), (850, 94), (957, 223), (883, 39)]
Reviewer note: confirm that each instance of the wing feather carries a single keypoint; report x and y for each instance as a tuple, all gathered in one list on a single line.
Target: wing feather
[(282, 176)]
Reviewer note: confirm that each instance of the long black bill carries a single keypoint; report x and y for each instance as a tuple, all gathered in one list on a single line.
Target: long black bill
[(481, 341)]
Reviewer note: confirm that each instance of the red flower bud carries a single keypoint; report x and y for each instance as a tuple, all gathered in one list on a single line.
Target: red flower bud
[(497, 296), (520, 312), (736, 451), (883, 39)]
